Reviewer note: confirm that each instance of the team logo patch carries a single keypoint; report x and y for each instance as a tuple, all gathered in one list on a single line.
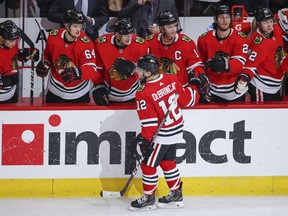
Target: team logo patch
[(102, 40), (168, 66), (141, 88), (279, 55), (53, 32), (202, 35), (85, 39), (258, 40), (63, 62), (186, 38), (242, 34), (139, 40), (150, 37)]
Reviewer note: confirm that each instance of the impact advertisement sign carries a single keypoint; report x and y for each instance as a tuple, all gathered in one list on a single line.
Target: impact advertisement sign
[(101, 143)]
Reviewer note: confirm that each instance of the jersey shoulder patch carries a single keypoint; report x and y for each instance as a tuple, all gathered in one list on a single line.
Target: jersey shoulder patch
[(257, 40), (150, 37), (85, 39), (139, 40), (102, 39), (186, 38), (202, 35), (53, 32), (141, 88), (241, 34)]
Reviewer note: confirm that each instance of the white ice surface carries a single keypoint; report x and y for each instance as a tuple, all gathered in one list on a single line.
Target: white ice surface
[(194, 206)]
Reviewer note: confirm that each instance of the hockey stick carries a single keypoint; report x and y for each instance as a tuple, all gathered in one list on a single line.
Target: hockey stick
[(117, 194), (25, 37), (42, 59), (19, 67)]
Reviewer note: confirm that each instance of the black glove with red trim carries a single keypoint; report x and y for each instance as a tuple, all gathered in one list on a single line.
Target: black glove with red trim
[(145, 147), (124, 67), (100, 95), (27, 53), (219, 64), (202, 83), (42, 69), (9, 80), (70, 74)]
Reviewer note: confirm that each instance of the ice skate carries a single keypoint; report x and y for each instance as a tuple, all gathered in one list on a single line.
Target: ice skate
[(173, 200), (143, 203)]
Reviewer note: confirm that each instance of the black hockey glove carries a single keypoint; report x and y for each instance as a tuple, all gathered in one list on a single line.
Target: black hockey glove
[(124, 67), (71, 74), (202, 83), (219, 64), (241, 82), (25, 54), (42, 69), (9, 80), (100, 95), (145, 147)]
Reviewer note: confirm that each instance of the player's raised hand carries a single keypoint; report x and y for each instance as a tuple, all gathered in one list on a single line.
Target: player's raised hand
[(124, 67)]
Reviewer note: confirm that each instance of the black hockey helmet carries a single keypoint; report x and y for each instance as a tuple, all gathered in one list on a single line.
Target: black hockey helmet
[(263, 14), (124, 26), (73, 16), (9, 30), (166, 18), (148, 62), (222, 9)]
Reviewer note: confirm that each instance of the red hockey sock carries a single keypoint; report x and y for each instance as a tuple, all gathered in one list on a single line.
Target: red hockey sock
[(149, 179), (171, 174)]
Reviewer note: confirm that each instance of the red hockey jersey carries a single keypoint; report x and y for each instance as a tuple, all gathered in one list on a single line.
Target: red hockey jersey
[(263, 64), (153, 100), (106, 53), (8, 66), (235, 49), (179, 58), (61, 55)]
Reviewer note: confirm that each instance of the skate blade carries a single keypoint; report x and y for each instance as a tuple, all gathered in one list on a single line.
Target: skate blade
[(179, 204), (146, 208)]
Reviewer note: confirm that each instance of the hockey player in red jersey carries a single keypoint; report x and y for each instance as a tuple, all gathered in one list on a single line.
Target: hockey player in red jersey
[(10, 54), (153, 99), (224, 51), (264, 63), (70, 55), (176, 52), (281, 18), (110, 50)]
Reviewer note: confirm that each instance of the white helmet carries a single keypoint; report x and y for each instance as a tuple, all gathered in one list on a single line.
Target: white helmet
[(283, 19)]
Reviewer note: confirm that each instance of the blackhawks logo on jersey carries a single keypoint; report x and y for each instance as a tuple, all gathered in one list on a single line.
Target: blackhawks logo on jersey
[(150, 37), (168, 66), (258, 40), (53, 32), (202, 35), (141, 88), (139, 40), (63, 62), (85, 39), (221, 54), (279, 55), (101, 40), (14, 64), (186, 38), (241, 34)]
